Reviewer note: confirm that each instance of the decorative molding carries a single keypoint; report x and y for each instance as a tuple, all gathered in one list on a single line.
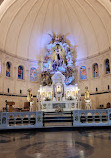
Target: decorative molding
[(97, 93), (39, 61), (18, 57), (94, 56), (15, 95)]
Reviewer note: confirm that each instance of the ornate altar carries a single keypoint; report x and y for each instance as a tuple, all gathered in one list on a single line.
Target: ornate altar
[(58, 88)]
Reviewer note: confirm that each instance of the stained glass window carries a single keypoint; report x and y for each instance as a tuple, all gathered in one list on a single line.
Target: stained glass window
[(83, 74), (8, 69), (107, 66), (20, 72), (95, 70), (33, 74)]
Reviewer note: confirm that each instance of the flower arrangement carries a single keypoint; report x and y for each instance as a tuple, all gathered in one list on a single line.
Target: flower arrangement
[(70, 98), (47, 99)]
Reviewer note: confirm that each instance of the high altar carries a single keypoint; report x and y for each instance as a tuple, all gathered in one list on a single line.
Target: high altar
[(58, 90)]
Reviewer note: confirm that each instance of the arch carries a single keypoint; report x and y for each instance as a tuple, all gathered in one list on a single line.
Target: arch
[(20, 72), (104, 114), (107, 66), (82, 114), (83, 74), (97, 117), (33, 74), (95, 70), (108, 105), (89, 117), (82, 118), (8, 69), (96, 114), (89, 114)]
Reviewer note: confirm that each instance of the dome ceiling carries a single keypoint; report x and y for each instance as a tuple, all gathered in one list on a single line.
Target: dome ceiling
[(25, 26)]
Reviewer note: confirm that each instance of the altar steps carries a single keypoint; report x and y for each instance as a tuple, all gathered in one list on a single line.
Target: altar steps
[(58, 119)]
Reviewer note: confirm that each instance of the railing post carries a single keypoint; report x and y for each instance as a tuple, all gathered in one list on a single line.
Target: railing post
[(6, 105), (43, 118), (72, 117), (109, 117), (4, 121), (76, 118), (39, 119)]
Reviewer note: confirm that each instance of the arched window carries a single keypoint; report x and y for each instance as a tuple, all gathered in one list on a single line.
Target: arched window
[(83, 74), (8, 69), (33, 74), (20, 72), (95, 70), (107, 66)]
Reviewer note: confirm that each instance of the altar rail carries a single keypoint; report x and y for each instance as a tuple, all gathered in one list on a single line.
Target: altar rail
[(79, 118), (21, 120), (85, 118)]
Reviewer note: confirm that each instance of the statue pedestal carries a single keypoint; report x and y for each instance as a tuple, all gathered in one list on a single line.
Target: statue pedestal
[(88, 104), (32, 106)]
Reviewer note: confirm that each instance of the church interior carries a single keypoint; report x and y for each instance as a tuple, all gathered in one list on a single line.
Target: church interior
[(55, 72)]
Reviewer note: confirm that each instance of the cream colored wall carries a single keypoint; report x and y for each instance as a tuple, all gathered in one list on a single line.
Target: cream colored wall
[(15, 84), (19, 101), (100, 82), (98, 99)]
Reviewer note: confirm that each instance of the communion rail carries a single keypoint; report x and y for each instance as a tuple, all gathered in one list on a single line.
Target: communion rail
[(21, 120), (85, 118), (78, 118)]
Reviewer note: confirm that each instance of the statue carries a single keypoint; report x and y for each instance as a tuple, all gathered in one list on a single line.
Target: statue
[(87, 94), (59, 89), (87, 99), (29, 95), (46, 79), (30, 99)]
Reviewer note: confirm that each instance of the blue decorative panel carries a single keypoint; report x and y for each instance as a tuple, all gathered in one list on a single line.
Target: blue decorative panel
[(83, 74), (33, 74), (95, 70), (8, 68), (20, 72), (107, 66)]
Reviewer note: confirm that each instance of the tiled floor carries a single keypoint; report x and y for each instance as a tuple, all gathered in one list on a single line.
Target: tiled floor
[(56, 144)]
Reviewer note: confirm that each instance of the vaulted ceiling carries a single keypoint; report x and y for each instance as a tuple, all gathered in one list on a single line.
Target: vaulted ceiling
[(25, 25)]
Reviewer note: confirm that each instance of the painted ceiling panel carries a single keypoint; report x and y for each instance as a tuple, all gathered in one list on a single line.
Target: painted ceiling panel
[(25, 26)]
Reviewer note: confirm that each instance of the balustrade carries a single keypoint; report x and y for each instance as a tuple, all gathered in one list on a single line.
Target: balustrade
[(81, 118), (19, 120), (100, 117)]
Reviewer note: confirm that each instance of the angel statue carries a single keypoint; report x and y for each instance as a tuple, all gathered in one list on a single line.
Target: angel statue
[(52, 37)]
